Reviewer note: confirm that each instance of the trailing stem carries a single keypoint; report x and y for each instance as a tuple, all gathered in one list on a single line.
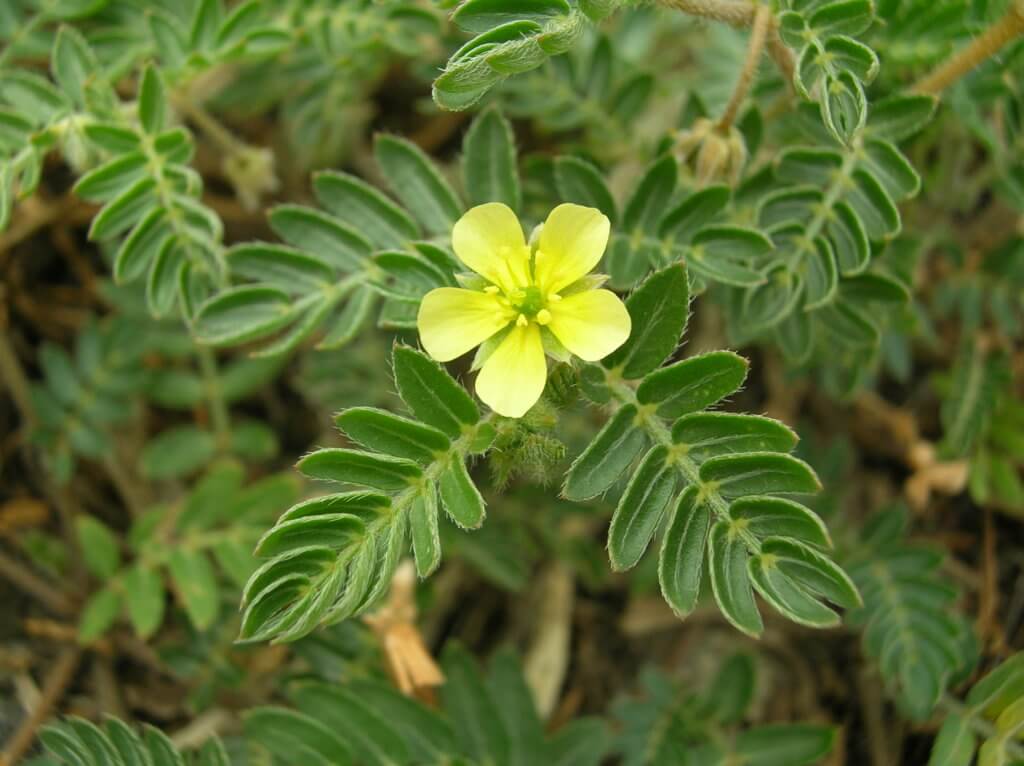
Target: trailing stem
[(758, 35), (988, 44), (741, 13)]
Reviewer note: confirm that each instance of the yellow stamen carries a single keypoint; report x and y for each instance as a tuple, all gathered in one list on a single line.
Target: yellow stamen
[(543, 317), (522, 321)]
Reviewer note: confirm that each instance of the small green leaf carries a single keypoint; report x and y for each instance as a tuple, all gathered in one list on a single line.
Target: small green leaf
[(489, 161), (241, 314), (418, 183), (648, 202), (606, 457), (392, 435), (327, 238), (901, 116), (336, 531), (144, 596), (196, 585), (364, 209), (759, 473), (681, 561), (730, 582), (777, 517), (706, 434), (99, 547), (659, 310), (98, 614), (363, 468), (296, 737), (640, 509), (693, 384), (580, 182), (461, 498), (423, 529), (785, 744), (695, 212), (432, 394), (481, 15), (177, 452), (152, 102)]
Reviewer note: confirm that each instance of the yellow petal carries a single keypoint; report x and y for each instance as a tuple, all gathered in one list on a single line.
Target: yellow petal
[(513, 377), (591, 324), (489, 240), (452, 320), (571, 245)]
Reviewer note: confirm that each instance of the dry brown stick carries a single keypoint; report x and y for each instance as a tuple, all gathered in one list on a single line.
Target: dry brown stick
[(755, 49), (57, 681), (982, 48), (23, 577), (14, 379)]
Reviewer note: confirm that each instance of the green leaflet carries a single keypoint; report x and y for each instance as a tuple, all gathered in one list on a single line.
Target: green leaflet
[(363, 468), (432, 395), (417, 182), (693, 384), (681, 562), (639, 512), (659, 309), (606, 457), (460, 496), (730, 581), (393, 435), (489, 161), (759, 473)]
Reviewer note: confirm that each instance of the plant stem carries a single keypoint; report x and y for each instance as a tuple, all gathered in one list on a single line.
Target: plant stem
[(23, 577), (981, 726), (215, 396), (60, 676), (984, 47), (741, 13), (13, 376), (758, 35), (688, 469)]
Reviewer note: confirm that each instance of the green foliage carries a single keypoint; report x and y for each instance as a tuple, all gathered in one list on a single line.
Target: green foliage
[(83, 397), (332, 557), (672, 724), (910, 625), (484, 717), (339, 264), (988, 723), (725, 468), (199, 548), (77, 742)]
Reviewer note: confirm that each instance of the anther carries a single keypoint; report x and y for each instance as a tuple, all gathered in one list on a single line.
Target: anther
[(522, 321), (543, 316)]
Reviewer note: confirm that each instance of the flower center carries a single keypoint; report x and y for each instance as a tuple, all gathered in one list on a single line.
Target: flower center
[(530, 300)]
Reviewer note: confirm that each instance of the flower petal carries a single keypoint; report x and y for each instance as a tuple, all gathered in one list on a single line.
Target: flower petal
[(591, 324), (571, 245), (513, 377), (489, 240), (452, 320)]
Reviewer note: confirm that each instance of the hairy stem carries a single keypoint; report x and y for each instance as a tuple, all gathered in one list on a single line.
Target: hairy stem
[(742, 13), (984, 47), (758, 35)]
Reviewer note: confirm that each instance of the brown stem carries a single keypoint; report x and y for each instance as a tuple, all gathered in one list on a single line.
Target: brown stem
[(57, 681), (741, 13), (982, 48), (758, 34), (13, 376), (23, 577)]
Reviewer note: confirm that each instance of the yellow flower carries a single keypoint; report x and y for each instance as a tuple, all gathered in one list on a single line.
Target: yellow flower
[(530, 299)]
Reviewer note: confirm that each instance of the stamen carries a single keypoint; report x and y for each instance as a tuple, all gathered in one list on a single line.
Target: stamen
[(554, 298), (491, 290), (522, 321), (543, 317)]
